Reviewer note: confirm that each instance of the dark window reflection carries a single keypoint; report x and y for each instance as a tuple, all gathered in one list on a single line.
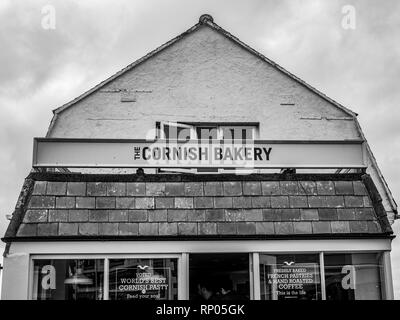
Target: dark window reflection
[(219, 276), (290, 276), (68, 279), (353, 276)]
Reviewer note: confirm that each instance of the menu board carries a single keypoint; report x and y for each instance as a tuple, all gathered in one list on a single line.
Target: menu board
[(142, 282), (293, 281)]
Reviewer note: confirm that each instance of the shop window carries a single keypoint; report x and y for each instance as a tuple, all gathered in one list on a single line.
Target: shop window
[(237, 133), (177, 131), (290, 276), (219, 277), (354, 276), (205, 133), (143, 279), (185, 132), (57, 279)]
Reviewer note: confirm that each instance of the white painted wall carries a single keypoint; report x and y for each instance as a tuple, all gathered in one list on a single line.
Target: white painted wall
[(205, 77), (15, 276)]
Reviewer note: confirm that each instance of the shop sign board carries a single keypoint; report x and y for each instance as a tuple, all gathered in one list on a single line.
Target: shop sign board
[(257, 154)]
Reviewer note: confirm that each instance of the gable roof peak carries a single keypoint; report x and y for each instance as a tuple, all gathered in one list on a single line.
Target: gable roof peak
[(206, 17), (204, 20)]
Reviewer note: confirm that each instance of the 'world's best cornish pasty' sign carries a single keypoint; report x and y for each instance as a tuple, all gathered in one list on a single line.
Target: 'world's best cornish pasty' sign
[(141, 282), (110, 153)]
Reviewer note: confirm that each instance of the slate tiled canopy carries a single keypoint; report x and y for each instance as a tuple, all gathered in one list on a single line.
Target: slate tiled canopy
[(85, 206)]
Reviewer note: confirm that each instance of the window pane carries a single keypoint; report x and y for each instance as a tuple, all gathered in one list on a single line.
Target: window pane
[(288, 276), (356, 276), (237, 133), (150, 279), (68, 279), (181, 133), (207, 133), (219, 276)]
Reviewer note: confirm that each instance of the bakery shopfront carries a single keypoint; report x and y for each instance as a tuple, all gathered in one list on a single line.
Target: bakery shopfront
[(200, 169)]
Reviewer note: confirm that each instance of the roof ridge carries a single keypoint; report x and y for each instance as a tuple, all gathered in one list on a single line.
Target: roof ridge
[(127, 68), (280, 68)]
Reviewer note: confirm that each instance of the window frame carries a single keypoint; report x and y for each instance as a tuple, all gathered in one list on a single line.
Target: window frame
[(193, 134), (106, 262), (386, 284), (255, 127), (182, 249), (160, 134), (384, 289)]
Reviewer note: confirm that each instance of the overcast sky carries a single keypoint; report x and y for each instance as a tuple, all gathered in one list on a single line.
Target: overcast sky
[(41, 69)]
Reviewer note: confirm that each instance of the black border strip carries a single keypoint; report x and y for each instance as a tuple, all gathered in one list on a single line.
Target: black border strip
[(347, 236)]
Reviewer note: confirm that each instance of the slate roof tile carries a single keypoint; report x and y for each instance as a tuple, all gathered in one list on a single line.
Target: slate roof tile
[(171, 206)]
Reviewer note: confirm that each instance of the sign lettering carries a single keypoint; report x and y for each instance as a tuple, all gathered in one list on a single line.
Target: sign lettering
[(142, 283), (291, 280)]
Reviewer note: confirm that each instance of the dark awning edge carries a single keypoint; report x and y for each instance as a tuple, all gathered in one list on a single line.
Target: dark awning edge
[(377, 204), (346, 236), (182, 177)]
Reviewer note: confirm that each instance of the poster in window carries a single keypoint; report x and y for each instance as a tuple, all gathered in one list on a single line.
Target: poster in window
[(142, 282), (290, 280)]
